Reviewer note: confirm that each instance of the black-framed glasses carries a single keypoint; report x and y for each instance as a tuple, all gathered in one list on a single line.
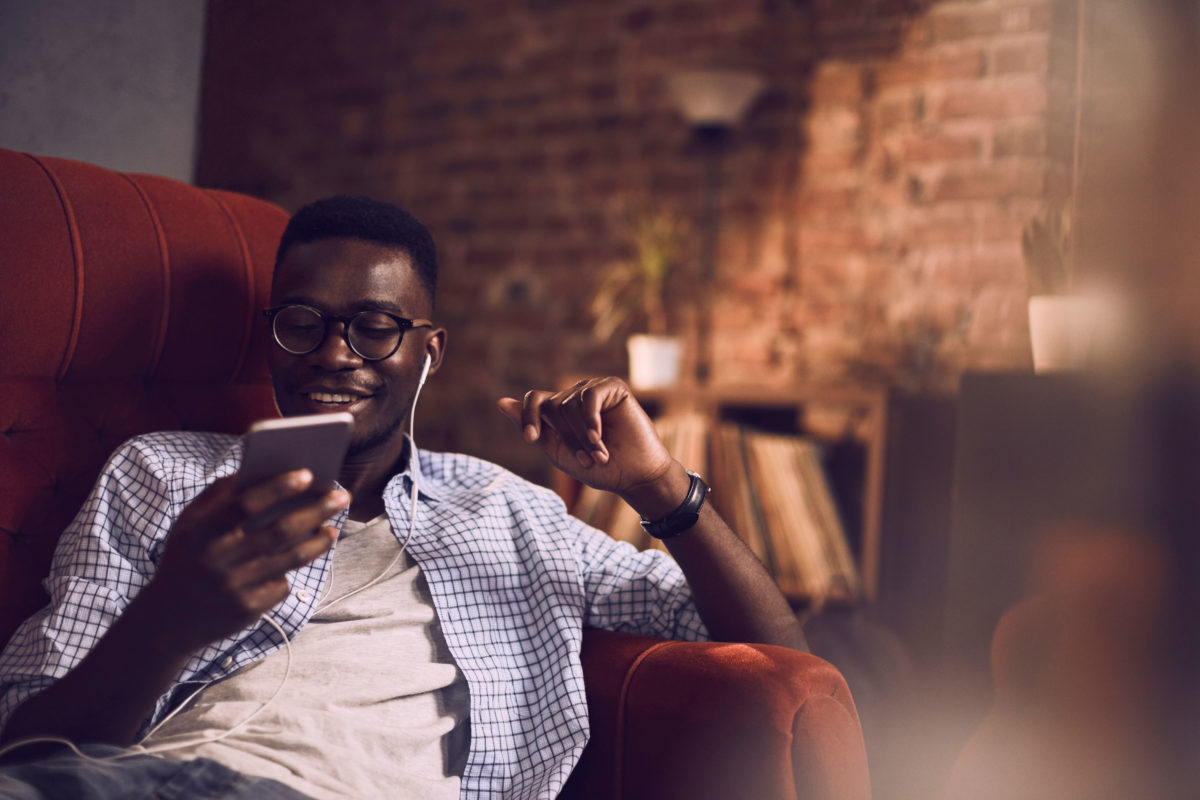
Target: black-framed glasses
[(372, 335)]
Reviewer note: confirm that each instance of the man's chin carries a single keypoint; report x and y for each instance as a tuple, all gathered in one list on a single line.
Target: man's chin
[(374, 440)]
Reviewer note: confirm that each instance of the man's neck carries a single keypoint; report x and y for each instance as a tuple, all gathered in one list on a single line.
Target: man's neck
[(365, 475)]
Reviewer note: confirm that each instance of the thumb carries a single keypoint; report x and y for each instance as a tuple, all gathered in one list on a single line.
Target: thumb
[(510, 407)]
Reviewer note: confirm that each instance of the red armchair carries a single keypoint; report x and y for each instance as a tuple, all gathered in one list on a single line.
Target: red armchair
[(127, 305)]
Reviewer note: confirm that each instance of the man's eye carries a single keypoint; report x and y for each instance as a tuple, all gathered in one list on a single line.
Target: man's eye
[(377, 333), (298, 328)]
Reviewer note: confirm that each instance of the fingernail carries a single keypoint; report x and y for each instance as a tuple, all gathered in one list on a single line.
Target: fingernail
[(301, 478), (530, 433), (583, 458), (594, 436)]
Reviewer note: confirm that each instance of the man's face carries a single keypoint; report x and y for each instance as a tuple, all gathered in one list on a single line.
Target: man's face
[(340, 277)]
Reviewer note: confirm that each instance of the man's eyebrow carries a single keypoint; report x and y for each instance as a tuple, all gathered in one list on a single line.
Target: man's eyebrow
[(362, 305)]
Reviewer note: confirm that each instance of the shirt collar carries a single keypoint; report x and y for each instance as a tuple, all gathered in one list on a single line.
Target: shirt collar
[(427, 485)]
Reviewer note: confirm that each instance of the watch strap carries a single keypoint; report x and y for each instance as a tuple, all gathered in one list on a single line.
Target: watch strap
[(683, 517)]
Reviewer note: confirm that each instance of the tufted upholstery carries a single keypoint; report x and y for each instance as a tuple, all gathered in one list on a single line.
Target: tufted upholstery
[(125, 307), (714, 721)]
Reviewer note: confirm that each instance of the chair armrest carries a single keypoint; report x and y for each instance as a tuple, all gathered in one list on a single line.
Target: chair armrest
[(715, 720)]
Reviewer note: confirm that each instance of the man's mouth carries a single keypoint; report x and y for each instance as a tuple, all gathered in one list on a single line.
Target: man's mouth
[(332, 399), (339, 399)]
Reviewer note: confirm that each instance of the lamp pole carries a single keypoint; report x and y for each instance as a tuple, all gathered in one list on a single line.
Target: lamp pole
[(713, 102), (712, 140)]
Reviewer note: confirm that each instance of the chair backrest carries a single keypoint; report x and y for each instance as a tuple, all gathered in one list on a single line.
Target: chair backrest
[(127, 304)]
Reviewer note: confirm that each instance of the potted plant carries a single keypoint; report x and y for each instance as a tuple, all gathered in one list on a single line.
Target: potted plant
[(1046, 246), (633, 291)]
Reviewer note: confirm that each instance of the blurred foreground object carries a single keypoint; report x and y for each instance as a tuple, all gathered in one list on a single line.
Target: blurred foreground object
[(1095, 692)]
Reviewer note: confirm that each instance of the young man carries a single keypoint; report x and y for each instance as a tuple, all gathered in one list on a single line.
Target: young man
[(437, 665)]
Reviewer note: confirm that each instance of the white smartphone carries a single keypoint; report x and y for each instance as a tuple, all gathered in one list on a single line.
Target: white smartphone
[(275, 446)]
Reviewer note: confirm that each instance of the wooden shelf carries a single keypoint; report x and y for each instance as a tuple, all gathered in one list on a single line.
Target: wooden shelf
[(850, 417)]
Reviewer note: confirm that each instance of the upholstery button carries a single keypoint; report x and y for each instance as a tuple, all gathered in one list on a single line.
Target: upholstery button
[(303, 596)]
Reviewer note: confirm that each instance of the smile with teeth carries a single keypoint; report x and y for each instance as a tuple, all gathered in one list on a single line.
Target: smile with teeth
[(333, 399)]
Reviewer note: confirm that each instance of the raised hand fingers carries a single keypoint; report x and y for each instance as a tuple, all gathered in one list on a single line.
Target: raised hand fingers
[(578, 409), (592, 400), (558, 412), (531, 414), (574, 416)]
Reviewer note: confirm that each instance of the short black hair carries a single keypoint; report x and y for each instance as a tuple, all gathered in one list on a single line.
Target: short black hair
[(368, 219)]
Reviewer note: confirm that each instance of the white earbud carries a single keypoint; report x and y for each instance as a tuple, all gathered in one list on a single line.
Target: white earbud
[(425, 370)]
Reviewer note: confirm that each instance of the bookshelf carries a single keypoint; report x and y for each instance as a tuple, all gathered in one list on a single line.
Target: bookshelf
[(849, 422)]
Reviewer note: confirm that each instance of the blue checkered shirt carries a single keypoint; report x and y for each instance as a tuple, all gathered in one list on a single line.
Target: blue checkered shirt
[(514, 580)]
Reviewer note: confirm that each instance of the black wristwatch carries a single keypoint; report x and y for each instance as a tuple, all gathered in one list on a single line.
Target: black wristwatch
[(683, 517)]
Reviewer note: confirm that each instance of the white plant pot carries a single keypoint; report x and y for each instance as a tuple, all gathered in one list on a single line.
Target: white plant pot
[(654, 361), (1070, 332), (1050, 332)]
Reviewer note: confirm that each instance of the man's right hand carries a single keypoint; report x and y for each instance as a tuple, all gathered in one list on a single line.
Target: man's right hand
[(216, 578)]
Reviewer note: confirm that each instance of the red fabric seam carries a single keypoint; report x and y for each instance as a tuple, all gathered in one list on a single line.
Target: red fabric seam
[(164, 257), (248, 269), (77, 255)]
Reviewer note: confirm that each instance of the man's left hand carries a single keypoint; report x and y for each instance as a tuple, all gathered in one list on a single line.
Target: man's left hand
[(596, 432)]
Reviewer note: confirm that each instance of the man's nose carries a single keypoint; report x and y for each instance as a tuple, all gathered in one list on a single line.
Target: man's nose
[(335, 351)]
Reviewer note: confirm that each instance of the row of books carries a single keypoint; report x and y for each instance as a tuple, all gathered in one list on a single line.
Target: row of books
[(770, 488)]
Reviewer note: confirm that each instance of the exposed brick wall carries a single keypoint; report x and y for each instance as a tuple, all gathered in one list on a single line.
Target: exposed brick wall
[(871, 205)]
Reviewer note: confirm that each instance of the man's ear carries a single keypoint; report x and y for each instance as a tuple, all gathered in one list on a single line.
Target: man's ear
[(435, 349)]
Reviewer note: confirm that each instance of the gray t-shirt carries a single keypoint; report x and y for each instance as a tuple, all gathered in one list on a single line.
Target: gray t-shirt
[(374, 705)]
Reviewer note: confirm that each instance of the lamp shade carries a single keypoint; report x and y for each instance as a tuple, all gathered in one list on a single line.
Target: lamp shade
[(714, 97)]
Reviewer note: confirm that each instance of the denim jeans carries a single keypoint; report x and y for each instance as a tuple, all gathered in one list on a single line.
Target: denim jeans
[(66, 776)]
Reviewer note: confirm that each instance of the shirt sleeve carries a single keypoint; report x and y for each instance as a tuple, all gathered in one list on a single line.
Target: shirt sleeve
[(634, 591), (104, 557)]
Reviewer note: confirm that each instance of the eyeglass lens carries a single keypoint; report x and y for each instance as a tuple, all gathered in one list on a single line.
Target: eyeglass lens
[(371, 334)]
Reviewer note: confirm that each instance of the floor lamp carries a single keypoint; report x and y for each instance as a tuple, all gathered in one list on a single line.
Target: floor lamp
[(713, 102)]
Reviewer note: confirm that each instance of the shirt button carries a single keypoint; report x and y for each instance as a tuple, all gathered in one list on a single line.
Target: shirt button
[(303, 596), (227, 662)]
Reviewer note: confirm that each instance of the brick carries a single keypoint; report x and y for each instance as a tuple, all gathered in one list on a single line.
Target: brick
[(1024, 141), (966, 22), (928, 68), (999, 326), (829, 162), (942, 148), (987, 182), (955, 230), (1030, 56), (895, 112), (830, 199), (836, 85), (849, 238), (971, 267), (992, 100)]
